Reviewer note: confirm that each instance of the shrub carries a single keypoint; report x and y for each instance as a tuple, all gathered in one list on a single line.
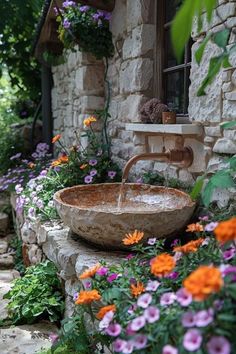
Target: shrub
[(37, 295)]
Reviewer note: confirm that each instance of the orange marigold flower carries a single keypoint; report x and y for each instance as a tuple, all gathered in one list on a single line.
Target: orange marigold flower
[(89, 120), (89, 273), (137, 289), (101, 313), (60, 160), (133, 238), (195, 228), (162, 265), (82, 167), (226, 231), (55, 163), (86, 297), (31, 165), (64, 159), (56, 138), (191, 246), (204, 281)]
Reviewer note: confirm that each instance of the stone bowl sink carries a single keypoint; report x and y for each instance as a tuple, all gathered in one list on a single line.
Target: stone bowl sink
[(91, 211)]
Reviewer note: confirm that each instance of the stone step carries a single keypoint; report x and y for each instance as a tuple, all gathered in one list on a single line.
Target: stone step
[(27, 339), (6, 278), (4, 222), (3, 246), (6, 261)]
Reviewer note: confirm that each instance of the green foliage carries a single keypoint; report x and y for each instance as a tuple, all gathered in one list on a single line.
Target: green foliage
[(181, 31), (17, 28), (157, 179), (37, 295), (92, 35)]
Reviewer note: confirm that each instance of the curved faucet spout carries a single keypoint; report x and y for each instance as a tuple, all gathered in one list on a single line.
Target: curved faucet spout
[(183, 156), (162, 156)]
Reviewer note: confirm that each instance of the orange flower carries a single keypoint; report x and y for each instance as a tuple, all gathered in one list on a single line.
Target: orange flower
[(191, 246), (82, 167), (89, 120), (31, 165), (162, 265), (60, 160), (56, 138), (86, 297), (226, 231), (204, 281), (133, 238), (195, 228), (89, 273), (137, 289), (101, 313)]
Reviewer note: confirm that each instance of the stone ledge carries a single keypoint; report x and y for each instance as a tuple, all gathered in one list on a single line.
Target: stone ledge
[(177, 129)]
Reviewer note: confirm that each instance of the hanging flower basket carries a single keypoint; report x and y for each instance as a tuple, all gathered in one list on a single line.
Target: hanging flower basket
[(106, 5)]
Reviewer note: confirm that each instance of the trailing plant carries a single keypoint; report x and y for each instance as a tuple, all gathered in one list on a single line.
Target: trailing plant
[(160, 302), (87, 27), (37, 295), (157, 179), (181, 32)]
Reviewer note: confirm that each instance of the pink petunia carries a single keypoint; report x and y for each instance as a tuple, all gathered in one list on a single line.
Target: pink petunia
[(114, 329), (138, 323), (167, 299), (218, 345), (102, 271), (192, 340), (140, 341), (152, 285), (119, 345), (144, 300), (105, 322), (204, 318), (188, 319), (211, 226), (152, 314), (128, 348), (183, 297), (169, 349)]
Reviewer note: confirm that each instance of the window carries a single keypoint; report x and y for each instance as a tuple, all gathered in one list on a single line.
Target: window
[(172, 77)]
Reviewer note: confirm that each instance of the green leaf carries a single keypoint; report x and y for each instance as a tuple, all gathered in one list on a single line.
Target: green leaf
[(209, 5), (232, 163), (222, 179), (181, 27), (207, 194), (199, 52), (214, 68), (228, 125), (221, 38), (196, 191)]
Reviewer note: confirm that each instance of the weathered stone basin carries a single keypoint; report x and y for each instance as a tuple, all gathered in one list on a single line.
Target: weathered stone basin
[(91, 211)]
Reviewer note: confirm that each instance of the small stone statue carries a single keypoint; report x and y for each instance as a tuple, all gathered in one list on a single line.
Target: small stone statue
[(151, 111)]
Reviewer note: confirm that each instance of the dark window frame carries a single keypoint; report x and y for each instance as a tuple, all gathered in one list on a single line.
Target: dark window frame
[(162, 69)]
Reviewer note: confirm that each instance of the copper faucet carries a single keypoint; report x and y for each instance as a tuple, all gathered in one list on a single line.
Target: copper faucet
[(180, 155)]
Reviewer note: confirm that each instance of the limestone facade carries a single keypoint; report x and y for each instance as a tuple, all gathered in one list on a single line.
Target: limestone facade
[(79, 90)]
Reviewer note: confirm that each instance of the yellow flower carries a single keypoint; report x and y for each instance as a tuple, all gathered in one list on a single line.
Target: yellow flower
[(204, 281), (101, 313), (226, 231), (133, 238), (137, 289), (89, 273), (89, 120), (162, 265), (86, 297)]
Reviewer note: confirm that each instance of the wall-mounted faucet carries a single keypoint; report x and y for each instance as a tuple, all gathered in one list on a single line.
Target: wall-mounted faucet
[(182, 155)]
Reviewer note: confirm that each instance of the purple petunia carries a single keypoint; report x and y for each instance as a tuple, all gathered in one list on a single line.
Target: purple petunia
[(93, 162), (66, 25), (188, 319), (169, 349), (229, 253), (152, 285), (183, 297), (67, 3), (88, 179), (102, 271), (204, 317), (111, 174), (152, 314), (112, 277), (93, 172), (119, 345), (105, 322), (114, 329), (218, 345), (211, 226), (144, 300), (16, 156), (129, 347), (137, 323), (140, 341), (152, 241), (192, 340), (167, 299), (84, 8)]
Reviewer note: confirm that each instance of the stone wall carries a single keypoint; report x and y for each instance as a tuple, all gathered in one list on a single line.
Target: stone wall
[(54, 241), (79, 89)]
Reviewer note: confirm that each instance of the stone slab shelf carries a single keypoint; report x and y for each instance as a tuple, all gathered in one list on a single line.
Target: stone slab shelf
[(159, 129)]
